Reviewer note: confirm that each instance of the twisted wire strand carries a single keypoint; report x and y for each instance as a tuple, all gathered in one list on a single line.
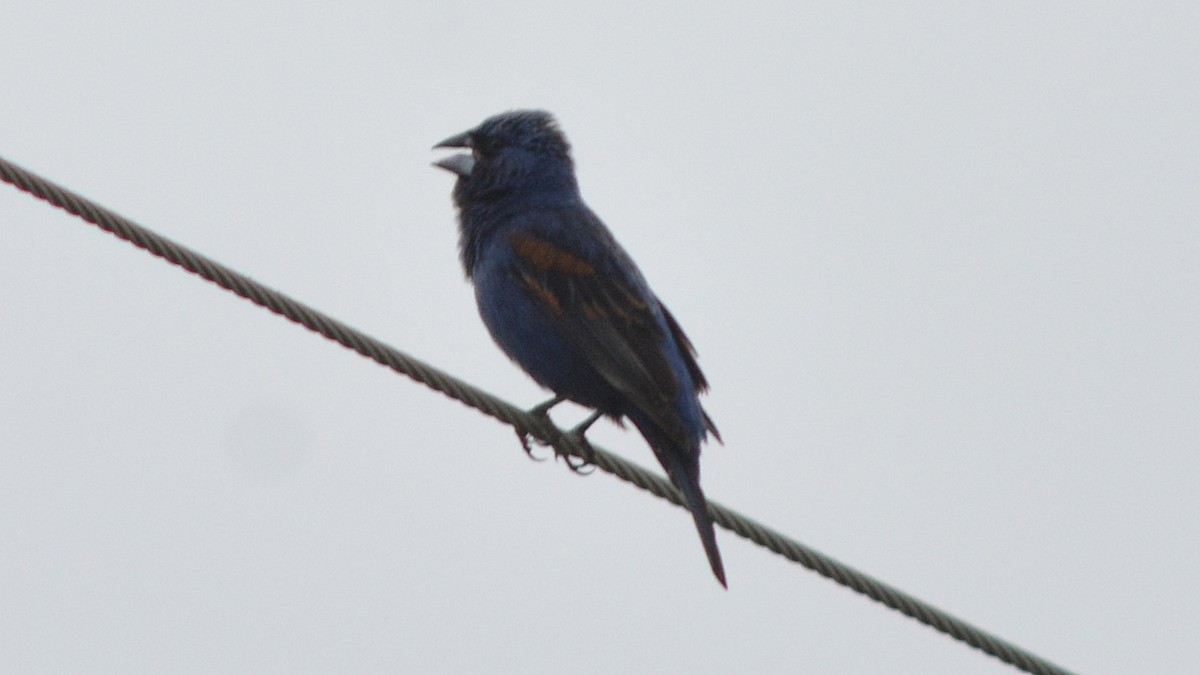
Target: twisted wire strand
[(539, 427)]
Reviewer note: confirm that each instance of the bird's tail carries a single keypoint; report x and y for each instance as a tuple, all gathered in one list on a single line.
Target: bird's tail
[(683, 468), (689, 485)]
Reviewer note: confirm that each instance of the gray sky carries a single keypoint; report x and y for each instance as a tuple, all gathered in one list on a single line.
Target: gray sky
[(940, 263)]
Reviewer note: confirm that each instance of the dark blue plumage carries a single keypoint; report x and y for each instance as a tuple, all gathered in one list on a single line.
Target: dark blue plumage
[(567, 304)]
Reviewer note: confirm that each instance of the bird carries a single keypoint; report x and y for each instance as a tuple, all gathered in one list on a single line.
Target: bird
[(568, 304)]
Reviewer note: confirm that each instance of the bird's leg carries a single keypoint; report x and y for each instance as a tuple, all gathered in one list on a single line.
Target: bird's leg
[(581, 428), (578, 432), (575, 464), (541, 410)]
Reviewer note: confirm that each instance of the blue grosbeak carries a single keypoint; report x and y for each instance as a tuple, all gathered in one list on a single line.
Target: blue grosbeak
[(567, 303)]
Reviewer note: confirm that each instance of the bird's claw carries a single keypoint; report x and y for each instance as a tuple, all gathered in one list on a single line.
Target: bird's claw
[(586, 464), (579, 465), (524, 436), (542, 411)]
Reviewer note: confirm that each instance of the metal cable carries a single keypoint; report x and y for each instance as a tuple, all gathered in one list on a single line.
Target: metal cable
[(525, 424)]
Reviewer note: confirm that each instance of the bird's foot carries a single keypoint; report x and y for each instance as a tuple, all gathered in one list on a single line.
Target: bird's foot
[(580, 465), (586, 464), (541, 410)]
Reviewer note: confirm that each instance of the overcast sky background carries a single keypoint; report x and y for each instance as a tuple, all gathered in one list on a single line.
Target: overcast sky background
[(940, 263)]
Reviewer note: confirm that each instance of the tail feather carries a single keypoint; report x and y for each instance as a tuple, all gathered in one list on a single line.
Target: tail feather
[(694, 496), (683, 468)]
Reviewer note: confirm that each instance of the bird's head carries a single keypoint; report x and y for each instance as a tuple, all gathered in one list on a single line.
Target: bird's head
[(520, 149)]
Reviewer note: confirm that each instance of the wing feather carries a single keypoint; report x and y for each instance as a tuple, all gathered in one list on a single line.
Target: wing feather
[(608, 319)]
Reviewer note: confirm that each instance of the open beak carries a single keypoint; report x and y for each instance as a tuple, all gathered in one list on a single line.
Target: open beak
[(462, 140), (460, 164)]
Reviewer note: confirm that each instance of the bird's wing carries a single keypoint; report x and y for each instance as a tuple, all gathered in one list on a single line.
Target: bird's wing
[(608, 318), (689, 359)]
